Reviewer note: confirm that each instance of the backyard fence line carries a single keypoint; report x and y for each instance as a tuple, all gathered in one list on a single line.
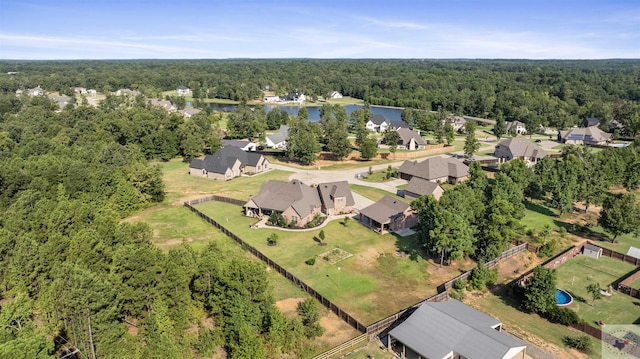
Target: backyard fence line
[(344, 347), (617, 255), (216, 198), (275, 266), (625, 286)]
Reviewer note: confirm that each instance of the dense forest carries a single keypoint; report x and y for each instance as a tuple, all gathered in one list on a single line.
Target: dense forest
[(74, 276), (554, 93)]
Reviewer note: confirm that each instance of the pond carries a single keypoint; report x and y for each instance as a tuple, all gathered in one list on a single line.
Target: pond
[(390, 113)]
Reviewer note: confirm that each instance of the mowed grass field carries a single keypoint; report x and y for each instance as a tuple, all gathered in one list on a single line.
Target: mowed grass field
[(179, 185), (363, 284), (575, 275)]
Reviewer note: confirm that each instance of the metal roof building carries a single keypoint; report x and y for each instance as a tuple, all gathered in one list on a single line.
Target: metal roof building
[(451, 329)]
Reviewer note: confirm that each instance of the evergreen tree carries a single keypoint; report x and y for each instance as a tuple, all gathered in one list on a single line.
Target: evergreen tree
[(471, 144)]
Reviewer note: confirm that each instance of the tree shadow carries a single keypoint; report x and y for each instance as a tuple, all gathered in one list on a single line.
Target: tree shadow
[(576, 297), (411, 247), (582, 231), (535, 207)]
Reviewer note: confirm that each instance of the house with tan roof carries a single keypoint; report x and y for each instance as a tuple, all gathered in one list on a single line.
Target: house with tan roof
[(418, 187), (519, 147), (189, 112), (227, 163), (435, 169), (452, 329), (388, 214), (590, 136), (166, 105)]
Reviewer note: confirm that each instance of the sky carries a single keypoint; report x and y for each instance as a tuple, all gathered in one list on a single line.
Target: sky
[(194, 29)]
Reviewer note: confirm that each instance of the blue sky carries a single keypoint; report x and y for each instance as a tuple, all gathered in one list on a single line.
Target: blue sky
[(537, 29)]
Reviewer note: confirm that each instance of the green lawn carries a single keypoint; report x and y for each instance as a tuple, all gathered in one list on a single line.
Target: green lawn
[(575, 275), (377, 176), (636, 284), (179, 184), (374, 194), (364, 280), (537, 216), (623, 242), (530, 327)]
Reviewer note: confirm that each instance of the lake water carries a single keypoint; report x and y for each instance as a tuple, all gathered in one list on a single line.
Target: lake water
[(391, 114)]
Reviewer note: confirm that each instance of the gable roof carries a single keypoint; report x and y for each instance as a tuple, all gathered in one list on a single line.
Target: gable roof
[(281, 135), (590, 134), (226, 158), (385, 209), (330, 190), (516, 124), (522, 147), (591, 121), (436, 329), (238, 143), (279, 195), (181, 87), (399, 124), (421, 186), (434, 168), (379, 119), (406, 135)]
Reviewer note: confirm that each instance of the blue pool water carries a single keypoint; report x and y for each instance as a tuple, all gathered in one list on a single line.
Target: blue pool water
[(562, 297)]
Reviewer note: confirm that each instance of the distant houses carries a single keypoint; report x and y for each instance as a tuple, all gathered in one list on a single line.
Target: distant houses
[(435, 169), (189, 112), (299, 203), (182, 90), (290, 97), (166, 105), (335, 95), (36, 91), (126, 92), (61, 101), (387, 215), (227, 163), (243, 145), (516, 128), (378, 123), (519, 147)]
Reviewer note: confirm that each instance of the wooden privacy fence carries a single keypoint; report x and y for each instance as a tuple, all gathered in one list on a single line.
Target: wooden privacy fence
[(344, 347), (278, 268), (237, 202), (619, 256)]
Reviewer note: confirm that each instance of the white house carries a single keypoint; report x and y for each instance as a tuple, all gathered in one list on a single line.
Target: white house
[(516, 127), (272, 99), (182, 90), (189, 112), (378, 123), (335, 94), (37, 91), (278, 139)]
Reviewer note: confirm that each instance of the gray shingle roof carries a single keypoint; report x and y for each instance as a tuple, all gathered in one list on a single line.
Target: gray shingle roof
[(385, 209), (329, 191), (379, 119), (421, 186), (406, 135), (225, 158), (434, 168), (436, 329), (279, 195), (281, 135), (520, 147), (400, 124)]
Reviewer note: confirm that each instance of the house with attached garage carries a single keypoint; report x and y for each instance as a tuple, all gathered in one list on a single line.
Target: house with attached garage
[(519, 147), (299, 203), (387, 215), (435, 169), (378, 123), (590, 136), (227, 163), (452, 329)]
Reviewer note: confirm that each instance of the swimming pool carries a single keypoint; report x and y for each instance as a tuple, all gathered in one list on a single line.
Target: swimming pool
[(563, 298)]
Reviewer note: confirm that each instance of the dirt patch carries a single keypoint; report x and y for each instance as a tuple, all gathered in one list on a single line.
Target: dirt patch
[(368, 258), (289, 306), (336, 331), (513, 267)]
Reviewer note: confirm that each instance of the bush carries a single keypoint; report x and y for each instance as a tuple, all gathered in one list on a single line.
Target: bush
[(564, 316), (580, 342), (547, 249), (310, 261), (457, 294), (562, 231), (272, 240), (458, 284)]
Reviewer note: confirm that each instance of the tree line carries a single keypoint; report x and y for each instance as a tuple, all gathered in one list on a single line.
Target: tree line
[(75, 277), (549, 92)]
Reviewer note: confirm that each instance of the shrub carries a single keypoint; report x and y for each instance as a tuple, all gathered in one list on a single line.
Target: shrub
[(580, 342), (310, 261), (272, 240), (277, 219), (547, 249), (458, 284), (457, 294), (564, 316), (562, 231)]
